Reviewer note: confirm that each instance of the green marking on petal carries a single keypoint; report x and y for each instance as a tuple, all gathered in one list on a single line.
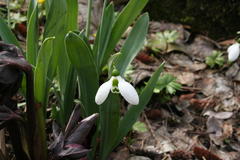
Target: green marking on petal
[(115, 82), (115, 90)]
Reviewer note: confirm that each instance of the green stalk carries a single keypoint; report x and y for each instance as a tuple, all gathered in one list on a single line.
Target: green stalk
[(8, 12), (89, 15), (36, 123)]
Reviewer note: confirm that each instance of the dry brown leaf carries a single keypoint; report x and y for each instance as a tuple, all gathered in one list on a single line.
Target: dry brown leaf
[(202, 153), (218, 115)]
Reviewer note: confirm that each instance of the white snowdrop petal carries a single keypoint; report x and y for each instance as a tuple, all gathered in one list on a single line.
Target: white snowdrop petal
[(103, 92), (233, 52), (128, 91)]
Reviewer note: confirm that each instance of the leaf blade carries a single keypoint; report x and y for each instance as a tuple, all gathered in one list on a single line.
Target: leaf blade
[(133, 113), (81, 58), (41, 71), (124, 19), (103, 34), (133, 44), (6, 34), (32, 35), (109, 122)]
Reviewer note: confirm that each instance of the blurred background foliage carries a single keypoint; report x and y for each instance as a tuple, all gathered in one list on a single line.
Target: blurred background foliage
[(217, 19)]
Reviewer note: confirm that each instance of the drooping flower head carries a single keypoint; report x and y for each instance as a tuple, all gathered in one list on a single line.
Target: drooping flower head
[(233, 52), (116, 84)]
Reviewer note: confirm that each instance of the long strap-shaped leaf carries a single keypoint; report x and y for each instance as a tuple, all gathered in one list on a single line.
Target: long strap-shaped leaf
[(6, 34), (103, 34), (134, 111), (81, 58), (41, 91), (32, 33), (69, 24), (41, 70), (109, 121), (56, 26), (56, 16), (67, 73), (133, 44), (124, 19)]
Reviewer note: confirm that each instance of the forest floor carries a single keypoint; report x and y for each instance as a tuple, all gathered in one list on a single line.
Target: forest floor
[(201, 121)]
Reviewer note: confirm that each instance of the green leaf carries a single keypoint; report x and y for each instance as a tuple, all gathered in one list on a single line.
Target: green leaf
[(6, 34), (215, 59), (31, 7), (109, 121), (170, 36), (133, 43), (41, 71), (124, 19), (112, 61), (168, 83), (140, 127), (47, 6), (69, 94), (56, 26), (72, 15), (134, 112), (81, 58), (60, 63), (103, 34), (66, 71), (32, 34), (55, 18)]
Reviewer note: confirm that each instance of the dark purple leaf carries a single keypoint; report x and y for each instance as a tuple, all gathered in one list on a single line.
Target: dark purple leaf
[(57, 145), (74, 152), (12, 63), (12, 66), (71, 146), (73, 120), (74, 146), (81, 132), (7, 115), (56, 130)]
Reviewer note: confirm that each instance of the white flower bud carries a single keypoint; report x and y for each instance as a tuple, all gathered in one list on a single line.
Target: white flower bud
[(233, 52)]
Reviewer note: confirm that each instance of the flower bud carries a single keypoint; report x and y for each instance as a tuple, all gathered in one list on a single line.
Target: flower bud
[(115, 72), (233, 52)]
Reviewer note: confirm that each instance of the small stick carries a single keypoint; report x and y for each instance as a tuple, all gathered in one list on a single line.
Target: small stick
[(150, 128), (2, 142)]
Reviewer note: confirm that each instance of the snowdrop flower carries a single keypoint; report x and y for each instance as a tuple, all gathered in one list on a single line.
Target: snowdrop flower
[(117, 84), (233, 52)]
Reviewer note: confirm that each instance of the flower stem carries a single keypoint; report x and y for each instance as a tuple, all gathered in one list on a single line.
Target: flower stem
[(89, 15), (8, 12), (36, 122)]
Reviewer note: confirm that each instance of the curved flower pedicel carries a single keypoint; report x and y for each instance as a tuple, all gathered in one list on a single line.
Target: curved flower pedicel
[(117, 84), (233, 52)]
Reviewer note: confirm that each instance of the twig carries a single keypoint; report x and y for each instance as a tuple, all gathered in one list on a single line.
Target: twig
[(150, 128), (8, 12), (2, 142)]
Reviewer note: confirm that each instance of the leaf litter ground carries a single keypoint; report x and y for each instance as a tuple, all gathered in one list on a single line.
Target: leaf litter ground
[(200, 122)]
